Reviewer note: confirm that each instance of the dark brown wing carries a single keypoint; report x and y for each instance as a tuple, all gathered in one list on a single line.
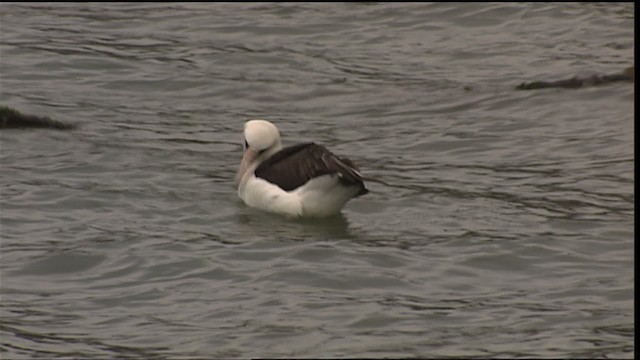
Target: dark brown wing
[(293, 166)]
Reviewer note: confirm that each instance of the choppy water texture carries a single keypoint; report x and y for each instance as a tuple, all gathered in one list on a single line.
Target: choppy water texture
[(508, 230)]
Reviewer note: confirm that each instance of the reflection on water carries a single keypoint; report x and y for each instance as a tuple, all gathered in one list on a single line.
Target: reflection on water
[(255, 224)]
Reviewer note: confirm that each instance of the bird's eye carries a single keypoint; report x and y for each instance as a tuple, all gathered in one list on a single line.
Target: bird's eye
[(246, 144)]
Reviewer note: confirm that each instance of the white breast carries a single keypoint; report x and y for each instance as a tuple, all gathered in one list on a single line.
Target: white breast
[(322, 196), (261, 194)]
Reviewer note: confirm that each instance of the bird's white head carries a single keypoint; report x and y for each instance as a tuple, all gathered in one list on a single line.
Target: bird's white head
[(260, 135), (261, 140)]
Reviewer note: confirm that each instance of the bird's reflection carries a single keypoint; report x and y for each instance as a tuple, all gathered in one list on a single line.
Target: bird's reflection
[(259, 224)]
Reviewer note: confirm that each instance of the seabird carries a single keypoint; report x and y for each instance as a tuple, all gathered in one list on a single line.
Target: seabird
[(303, 180)]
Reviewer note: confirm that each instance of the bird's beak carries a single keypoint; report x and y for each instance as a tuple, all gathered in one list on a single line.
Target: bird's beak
[(247, 159)]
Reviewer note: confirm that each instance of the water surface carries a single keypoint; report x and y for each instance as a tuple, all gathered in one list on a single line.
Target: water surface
[(507, 231)]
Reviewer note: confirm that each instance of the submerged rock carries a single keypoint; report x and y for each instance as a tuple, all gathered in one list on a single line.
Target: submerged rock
[(627, 75), (10, 118)]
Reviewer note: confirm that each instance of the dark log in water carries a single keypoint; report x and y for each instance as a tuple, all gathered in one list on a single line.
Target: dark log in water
[(10, 118), (627, 75)]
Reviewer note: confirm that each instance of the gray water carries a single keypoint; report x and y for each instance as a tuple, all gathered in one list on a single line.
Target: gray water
[(506, 231)]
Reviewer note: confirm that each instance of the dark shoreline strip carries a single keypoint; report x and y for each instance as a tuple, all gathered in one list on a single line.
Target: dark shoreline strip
[(628, 75), (13, 119)]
